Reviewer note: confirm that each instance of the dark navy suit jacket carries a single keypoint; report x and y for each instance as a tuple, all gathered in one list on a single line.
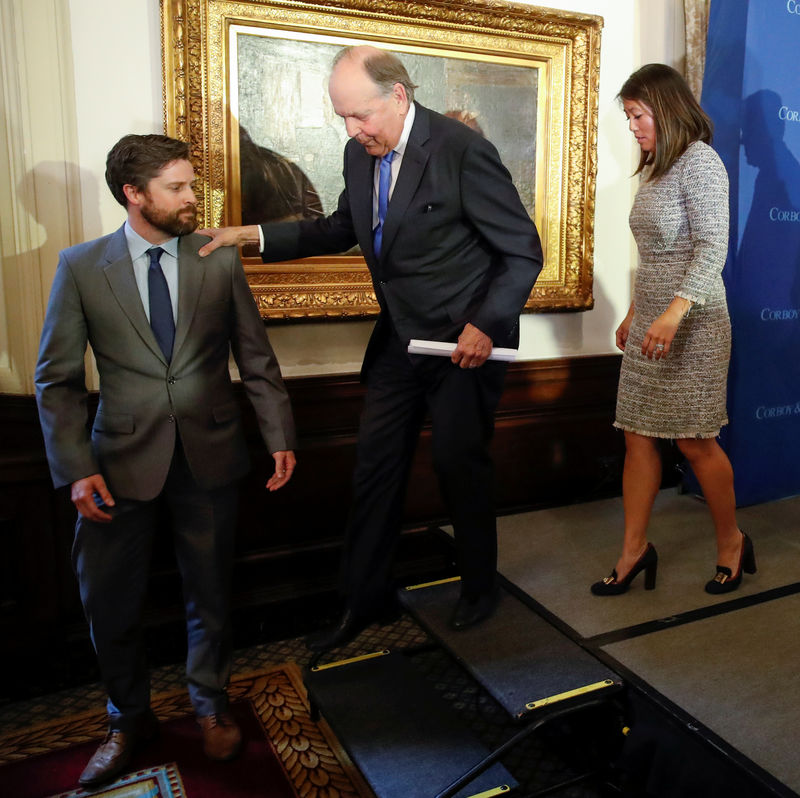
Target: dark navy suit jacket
[(458, 245)]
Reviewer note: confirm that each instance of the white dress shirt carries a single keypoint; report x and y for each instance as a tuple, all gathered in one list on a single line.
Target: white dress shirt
[(399, 151)]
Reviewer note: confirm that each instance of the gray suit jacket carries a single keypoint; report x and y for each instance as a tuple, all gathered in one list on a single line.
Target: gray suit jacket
[(144, 399)]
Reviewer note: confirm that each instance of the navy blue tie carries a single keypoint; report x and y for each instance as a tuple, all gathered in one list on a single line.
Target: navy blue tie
[(384, 182), (161, 319)]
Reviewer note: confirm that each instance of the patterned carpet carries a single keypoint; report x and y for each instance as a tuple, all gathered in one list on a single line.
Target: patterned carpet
[(286, 752), (552, 757)]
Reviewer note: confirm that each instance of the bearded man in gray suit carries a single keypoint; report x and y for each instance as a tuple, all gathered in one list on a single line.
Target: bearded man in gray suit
[(161, 322)]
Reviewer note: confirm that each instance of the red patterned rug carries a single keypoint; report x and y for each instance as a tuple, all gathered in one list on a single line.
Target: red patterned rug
[(286, 754)]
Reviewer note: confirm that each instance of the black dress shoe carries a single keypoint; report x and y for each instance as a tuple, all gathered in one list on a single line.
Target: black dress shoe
[(347, 628), (471, 612)]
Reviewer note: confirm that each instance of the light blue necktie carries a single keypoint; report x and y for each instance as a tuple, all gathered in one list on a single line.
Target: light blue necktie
[(161, 319), (384, 182)]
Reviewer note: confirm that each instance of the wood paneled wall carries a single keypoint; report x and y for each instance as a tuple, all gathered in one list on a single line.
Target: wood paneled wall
[(553, 444)]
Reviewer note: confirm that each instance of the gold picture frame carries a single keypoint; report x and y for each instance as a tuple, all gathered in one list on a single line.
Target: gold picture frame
[(535, 68)]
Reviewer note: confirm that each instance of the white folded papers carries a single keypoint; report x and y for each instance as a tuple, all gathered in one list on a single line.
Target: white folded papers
[(445, 349)]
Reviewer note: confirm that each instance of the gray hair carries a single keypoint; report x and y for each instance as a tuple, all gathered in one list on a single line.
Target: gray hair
[(384, 69)]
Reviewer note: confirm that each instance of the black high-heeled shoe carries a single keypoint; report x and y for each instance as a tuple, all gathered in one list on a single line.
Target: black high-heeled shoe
[(725, 581), (648, 563)]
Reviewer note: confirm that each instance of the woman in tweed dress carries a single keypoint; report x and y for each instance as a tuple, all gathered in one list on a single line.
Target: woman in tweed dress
[(676, 336)]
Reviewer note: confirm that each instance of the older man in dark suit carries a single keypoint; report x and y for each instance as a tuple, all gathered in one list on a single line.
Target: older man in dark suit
[(162, 323), (453, 257)]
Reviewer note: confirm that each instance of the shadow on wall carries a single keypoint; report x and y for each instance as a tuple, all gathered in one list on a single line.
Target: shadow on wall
[(767, 263), (45, 193), (55, 222)]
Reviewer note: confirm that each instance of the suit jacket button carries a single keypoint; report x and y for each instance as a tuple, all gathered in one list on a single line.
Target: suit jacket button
[(171, 380), (171, 418)]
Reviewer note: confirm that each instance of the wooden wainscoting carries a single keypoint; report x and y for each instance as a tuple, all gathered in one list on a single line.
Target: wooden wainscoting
[(553, 444)]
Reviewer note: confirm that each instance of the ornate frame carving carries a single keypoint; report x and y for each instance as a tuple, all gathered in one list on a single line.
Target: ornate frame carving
[(563, 46)]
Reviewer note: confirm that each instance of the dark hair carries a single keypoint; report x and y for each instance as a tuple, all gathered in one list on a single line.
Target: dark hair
[(678, 117), (135, 160), (384, 69)]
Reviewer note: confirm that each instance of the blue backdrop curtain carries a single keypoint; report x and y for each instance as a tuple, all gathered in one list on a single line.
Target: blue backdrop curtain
[(751, 89)]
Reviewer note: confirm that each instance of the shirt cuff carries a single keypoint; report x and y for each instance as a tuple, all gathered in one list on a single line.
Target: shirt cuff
[(260, 238), (695, 299)]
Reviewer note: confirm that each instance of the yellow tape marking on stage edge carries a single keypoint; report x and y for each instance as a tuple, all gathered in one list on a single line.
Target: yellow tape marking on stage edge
[(490, 793), (350, 661), (554, 699), (433, 584)]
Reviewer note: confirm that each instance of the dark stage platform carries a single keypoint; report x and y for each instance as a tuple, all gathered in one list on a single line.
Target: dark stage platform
[(723, 671)]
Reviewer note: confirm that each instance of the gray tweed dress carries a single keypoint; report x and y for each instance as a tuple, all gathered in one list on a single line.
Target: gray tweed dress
[(680, 223)]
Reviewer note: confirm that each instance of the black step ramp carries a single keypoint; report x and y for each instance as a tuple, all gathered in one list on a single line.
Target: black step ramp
[(400, 733), (520, 659)]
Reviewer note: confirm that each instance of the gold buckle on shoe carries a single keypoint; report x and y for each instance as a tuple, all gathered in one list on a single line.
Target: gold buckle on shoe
[(721, 577)]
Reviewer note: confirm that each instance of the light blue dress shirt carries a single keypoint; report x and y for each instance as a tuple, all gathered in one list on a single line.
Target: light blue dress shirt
[(137, 247)]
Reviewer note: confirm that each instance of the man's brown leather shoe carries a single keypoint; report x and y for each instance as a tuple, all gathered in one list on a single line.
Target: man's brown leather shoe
[(114, 754), (109, 760), (222, 737)]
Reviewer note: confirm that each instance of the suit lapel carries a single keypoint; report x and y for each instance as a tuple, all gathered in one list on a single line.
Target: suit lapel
[(119, 273), (415, 159), (360, 179), (191, 271)]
